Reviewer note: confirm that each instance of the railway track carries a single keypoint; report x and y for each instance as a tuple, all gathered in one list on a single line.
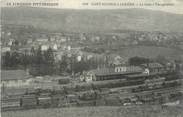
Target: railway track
[(143, 93), (118, 89), (125, 91)]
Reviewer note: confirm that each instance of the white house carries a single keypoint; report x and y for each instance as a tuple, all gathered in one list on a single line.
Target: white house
[(79, 58), (5, 49), (44, 47), (120, 69), (10, 43), (146, 71), (29, 41), (87, 77), (54, 47), (42, 39), (63, 39)]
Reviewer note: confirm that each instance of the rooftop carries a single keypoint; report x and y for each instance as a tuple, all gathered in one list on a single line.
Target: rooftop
[(153, 65), (144, 75), (111, 71)]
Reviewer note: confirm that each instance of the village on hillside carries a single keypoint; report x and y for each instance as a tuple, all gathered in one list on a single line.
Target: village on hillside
[(42, 69)]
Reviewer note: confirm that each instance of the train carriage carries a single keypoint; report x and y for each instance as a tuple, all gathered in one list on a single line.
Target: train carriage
[(44, 100), (10, 103), (29, 101)]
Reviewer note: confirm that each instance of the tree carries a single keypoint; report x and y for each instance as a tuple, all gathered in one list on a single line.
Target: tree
[(138, 60), (81, 66), (161, 59), (63, 64), (25, 60), (15, 59), (37, 67), (6, 60), (39, 56), (49, 62), (49, 57)]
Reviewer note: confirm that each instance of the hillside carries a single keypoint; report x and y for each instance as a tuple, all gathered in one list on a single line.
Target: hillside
[(93, 20)]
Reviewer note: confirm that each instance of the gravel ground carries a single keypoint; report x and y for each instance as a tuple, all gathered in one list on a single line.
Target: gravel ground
[(128, 111)]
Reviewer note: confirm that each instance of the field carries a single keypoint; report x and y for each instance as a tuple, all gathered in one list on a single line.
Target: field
[(135, 111), (13, 74), (150, 52)]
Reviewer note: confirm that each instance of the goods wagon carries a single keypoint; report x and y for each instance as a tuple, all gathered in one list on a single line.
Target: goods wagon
[(64, 81), (10, 103), (88, 95), (71, 98), (86, 103), (55, 100), (115, 83), (83, 87), (44, 100), (112, 101), (29, 101)]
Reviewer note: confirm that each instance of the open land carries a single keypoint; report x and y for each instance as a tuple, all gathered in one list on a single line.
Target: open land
[(131, 111)]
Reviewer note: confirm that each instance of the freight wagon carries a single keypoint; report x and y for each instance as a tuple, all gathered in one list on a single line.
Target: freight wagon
[(64, 81), (164, 84), (44, 100), (10, 103), (31, 101), (86, 103), (112, 101), (89, 95), (28, 101)]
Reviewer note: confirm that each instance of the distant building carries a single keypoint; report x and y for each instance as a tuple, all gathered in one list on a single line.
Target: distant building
[(53, 38), (55, 47), (89, 57), (44, 47), (10, 42), (68, 47), (115, 60), (63, 39), (135, 42), (29, 41), (110, 73), (8, 33), (87, 77), (58, 55), (26, 49), (146, 71), (82, 37), (95, 38), (5, 49), (42, 40), (171, 66), (14, 78), (79, 58), (154, 67)]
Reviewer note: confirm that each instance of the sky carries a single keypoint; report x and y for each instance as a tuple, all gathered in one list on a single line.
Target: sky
[(174, 6)]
